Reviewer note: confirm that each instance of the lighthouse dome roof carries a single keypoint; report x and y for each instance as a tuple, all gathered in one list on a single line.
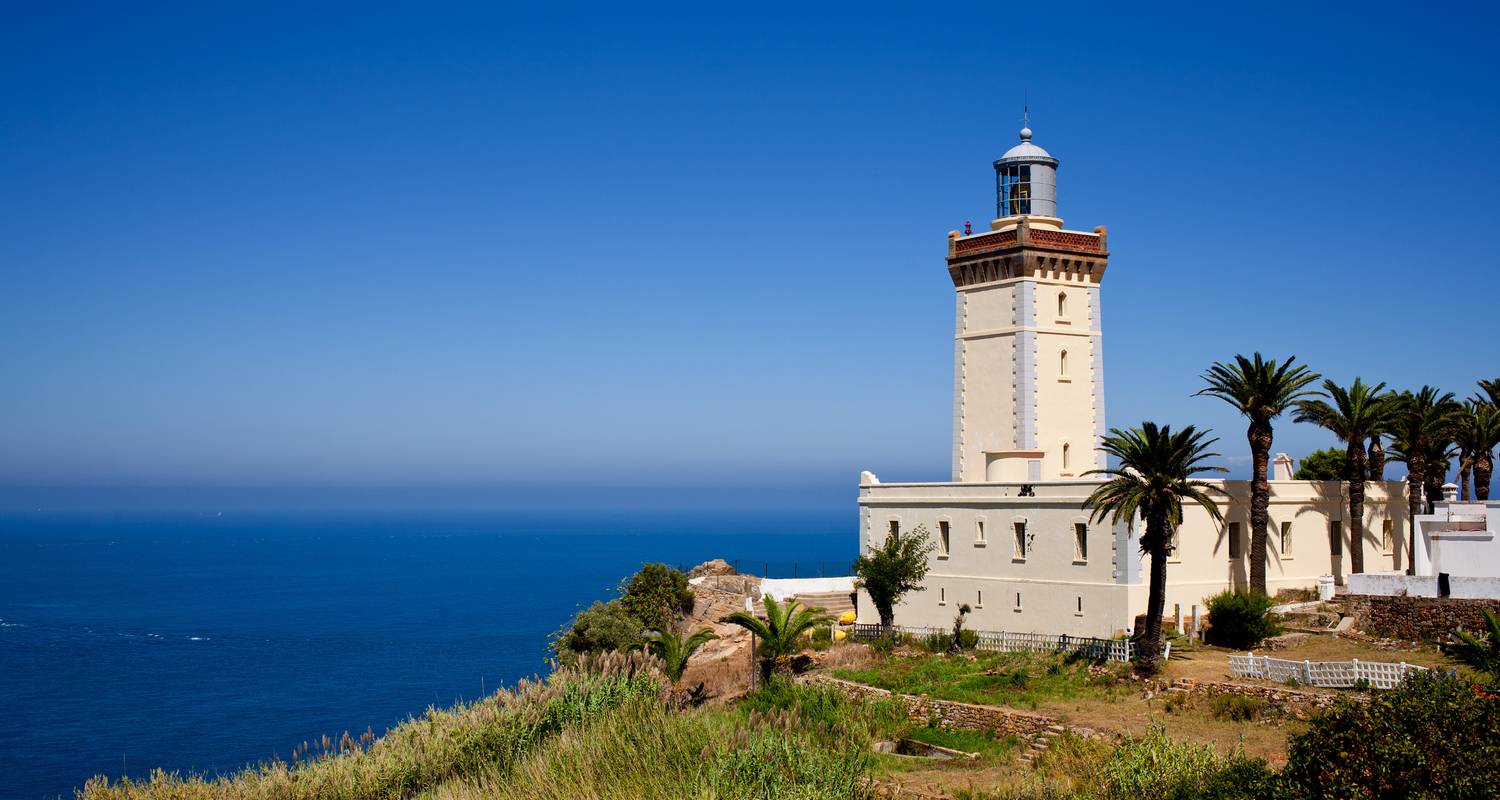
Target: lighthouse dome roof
[(1026, 150)]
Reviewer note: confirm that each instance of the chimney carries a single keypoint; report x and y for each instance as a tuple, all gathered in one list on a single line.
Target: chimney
[(1281, 467)]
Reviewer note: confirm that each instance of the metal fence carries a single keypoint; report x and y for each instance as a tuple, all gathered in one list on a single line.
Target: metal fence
[(1008, 642), (1327, 674), (787, 569)]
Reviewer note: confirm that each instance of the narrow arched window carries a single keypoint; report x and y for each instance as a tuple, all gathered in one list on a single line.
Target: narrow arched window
[(1062, 304), (1066, 454), (1062, 364)]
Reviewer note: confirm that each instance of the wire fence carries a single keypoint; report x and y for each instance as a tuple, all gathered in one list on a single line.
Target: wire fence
[(1327, 674), (1011, 642), (787, 569)]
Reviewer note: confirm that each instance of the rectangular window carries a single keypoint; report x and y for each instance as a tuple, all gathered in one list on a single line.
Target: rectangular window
[(1233, 534), (1079, 612), (1018, 601), (943, 543), (979, 533), (979, 599), (942, 596), (1020, 551), (1080, 541), (895, 528), (1387, 541), (1286, 539), (1336, 538)]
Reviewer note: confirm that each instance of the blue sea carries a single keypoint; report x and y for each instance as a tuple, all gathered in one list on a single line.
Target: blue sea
[(204, 643)]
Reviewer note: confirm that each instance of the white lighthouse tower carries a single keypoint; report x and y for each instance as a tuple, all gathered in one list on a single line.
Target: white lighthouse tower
[(1028, 361)]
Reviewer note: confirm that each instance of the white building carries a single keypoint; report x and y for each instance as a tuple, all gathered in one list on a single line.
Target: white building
[(1014, 541), (1457, 554)]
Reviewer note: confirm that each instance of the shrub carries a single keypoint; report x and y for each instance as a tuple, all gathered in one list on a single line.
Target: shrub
[(601, 627), (884, 643), (968, 639), (1434, 736), (1238, 707), (1240, 619), (826, 708), (658, 596), (937, 642)]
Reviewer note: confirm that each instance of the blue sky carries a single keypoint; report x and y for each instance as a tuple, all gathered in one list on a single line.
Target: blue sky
[(650, 247)]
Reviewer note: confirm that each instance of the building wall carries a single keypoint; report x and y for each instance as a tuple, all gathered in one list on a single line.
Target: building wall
[(1059, 593), (1110, 583), (1203, 565)]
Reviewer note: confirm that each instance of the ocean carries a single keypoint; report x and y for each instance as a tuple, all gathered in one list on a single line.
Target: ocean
[(205, 643)]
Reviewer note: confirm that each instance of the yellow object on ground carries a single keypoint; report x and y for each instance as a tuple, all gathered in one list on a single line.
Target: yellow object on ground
[(847, 618), (839, 636)]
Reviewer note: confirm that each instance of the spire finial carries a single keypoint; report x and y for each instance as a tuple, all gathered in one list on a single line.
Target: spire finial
[(1026, 120)]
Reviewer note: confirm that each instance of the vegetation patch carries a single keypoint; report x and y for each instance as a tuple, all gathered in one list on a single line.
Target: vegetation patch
[(1013, 679)]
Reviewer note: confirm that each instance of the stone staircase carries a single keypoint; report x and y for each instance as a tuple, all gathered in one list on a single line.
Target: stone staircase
[(1040, 743), (834, 603)]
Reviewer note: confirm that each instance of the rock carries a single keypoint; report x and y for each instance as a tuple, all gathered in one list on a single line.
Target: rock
[(717, 566), (1285, 641)]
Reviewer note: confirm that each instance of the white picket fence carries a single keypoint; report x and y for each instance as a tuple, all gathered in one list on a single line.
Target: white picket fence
[(1009, 642), (1327, 674)]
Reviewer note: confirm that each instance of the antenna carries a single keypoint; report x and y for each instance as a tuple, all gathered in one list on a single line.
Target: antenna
[(1026, 108)]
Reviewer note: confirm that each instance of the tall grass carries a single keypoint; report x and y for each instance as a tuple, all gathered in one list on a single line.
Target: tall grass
[(489, 735), (646, 750)]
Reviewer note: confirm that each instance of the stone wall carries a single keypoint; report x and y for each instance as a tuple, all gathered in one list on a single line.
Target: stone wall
[(1416, 619), (1022, 724), (1283, 699)]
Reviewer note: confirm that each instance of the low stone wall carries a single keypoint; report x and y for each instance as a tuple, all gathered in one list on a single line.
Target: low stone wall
[(1022, 724), (1283, 699), (1416, 619)]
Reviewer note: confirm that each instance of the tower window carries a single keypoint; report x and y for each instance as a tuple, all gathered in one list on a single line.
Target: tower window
[(1062, 304), (1020, 549), (1013, 189), (1066, 456), (1336, 538), (1062, 364), (979, 599), (895, 528), (943, 541), (1080, 542), (1386, 540), (1233, 535), (979, 533), (942, 596), (1286, 539)]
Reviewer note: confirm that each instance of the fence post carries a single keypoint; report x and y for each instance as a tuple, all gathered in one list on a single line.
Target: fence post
[(1355, 661), (1177, 617), (1307, 672)]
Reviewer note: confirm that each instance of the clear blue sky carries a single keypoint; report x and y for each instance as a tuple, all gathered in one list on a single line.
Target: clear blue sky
[(462, 247)]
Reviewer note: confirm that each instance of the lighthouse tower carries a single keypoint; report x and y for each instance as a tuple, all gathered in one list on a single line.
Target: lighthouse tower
[(1028, 361)]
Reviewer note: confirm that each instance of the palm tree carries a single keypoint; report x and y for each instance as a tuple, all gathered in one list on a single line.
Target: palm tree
[(1353, 415), (1262, 390), (1155, 473), (1476, 433), (1419, 423), (779, 631), (1483, 655), (1492, 389), (1375, 458), (674, 651)]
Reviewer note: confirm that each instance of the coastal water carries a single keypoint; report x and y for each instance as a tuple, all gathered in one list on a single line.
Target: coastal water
[(204, 643)]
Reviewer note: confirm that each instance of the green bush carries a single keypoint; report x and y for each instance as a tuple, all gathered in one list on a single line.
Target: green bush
[(658, 596), (600, 628), (1238, 707), (1435, 736), (1240, 620), (968, 639), (937, 642), (1154, 767), (884, 643), (826, 708)]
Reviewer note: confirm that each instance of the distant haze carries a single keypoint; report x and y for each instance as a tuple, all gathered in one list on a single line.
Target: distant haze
[(430, 259)]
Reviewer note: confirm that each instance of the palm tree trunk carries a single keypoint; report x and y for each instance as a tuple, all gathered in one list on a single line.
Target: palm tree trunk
[(1148, 654), (1416, 486), (1465, 462), (1376, 456), (1356, 476), (1260, 502), (1484, 466)]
